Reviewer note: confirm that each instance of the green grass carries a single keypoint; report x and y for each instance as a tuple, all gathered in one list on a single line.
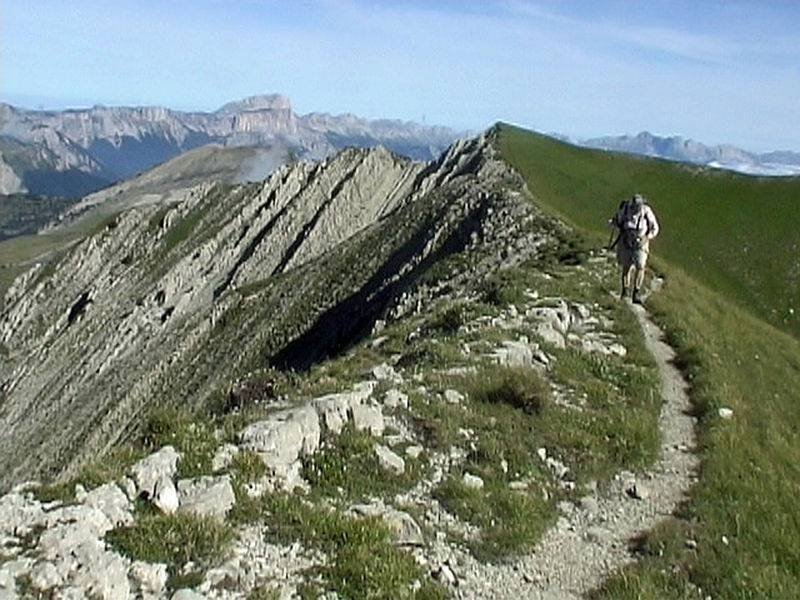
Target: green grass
[(174, 540), (363, 562), (347, 469), (110, 467), (737, 234), (710, 309), (190, 434)]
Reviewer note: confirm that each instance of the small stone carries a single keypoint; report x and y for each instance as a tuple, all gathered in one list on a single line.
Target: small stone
[(542, 452), (638, 491), (187, 594), (149, 579), (590, 505), (414, 451), (691, 544), (725, 540), (453, 396), (445, 575), (395, 399), (389, 460), (472, 482), (518, 486), (224, 456), (597, 535), (725, 413)]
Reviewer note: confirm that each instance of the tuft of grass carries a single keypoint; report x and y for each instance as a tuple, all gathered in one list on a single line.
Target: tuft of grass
[(348, 469), (447, 321), (511, 522), (174, 540), (520, 388), (363, 562), (109, 468), (191, 435)]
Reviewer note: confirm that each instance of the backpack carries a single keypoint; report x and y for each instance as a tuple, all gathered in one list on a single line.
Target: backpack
[(629, 226)]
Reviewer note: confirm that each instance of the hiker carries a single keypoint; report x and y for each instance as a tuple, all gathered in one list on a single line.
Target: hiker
[(637, 225)]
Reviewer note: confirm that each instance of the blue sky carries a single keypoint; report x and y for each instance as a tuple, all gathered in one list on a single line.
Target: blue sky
[(714, 70)]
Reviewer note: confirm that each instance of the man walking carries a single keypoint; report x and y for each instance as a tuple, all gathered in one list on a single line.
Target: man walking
[(637, 225)]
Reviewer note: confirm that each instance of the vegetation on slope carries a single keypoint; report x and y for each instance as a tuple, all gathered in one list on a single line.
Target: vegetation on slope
[(737, 536)]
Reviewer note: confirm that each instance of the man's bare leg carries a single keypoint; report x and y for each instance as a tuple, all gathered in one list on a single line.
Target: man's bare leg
[(626, 281)]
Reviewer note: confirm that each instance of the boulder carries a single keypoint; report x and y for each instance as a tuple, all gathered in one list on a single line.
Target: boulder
[(207, 496), (150, 469), (386, 372), (112, 502), (389, 460), (405, 530), (285, 436), (334, 410)]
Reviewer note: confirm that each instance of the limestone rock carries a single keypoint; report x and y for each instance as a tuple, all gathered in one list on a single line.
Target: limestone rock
[(207, 496), (165, 496), (223, 457), (187, 594), (149, 580), (112, 502), (395, 399), (386, 372), (285, 436), (389, 460), (151, 469), (453, 396), (405, 530), (368, 418), (472, 482)]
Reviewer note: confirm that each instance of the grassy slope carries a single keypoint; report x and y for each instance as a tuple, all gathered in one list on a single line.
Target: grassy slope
[(742, 512), (737, 234)]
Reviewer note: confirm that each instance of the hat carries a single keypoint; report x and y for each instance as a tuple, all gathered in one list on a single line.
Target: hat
[(638, 199)]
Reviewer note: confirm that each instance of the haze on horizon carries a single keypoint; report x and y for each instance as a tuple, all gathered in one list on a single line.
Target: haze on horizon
[(717, 71)]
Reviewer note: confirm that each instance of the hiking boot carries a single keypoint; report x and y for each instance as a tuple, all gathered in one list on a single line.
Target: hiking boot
[(636, 298)]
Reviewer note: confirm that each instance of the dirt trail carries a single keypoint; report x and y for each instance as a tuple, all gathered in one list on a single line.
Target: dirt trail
[(591, 540)]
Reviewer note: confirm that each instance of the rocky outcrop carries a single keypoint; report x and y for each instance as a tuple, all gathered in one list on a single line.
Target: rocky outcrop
[(175, 302)]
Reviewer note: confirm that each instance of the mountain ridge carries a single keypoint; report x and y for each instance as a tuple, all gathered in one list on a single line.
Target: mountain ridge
[(115, 143), (723, 156)]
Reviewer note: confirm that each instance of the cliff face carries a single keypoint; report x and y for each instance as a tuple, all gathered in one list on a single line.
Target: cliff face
[(113, 143), (173, 303)]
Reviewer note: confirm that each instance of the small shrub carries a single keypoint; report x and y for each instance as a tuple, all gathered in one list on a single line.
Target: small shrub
[(448, 321), (521, 388)]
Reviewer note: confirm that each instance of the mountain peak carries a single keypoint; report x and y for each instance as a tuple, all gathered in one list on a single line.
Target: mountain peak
[(259, 102)]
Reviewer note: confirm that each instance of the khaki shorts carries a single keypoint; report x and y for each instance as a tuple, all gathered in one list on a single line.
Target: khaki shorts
[(627, 258)]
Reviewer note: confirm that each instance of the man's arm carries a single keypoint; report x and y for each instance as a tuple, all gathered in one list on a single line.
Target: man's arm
[(652, 224)]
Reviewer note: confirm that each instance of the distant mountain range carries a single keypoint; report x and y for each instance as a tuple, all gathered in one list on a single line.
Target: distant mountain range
[(685, 150), (72, 153)]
